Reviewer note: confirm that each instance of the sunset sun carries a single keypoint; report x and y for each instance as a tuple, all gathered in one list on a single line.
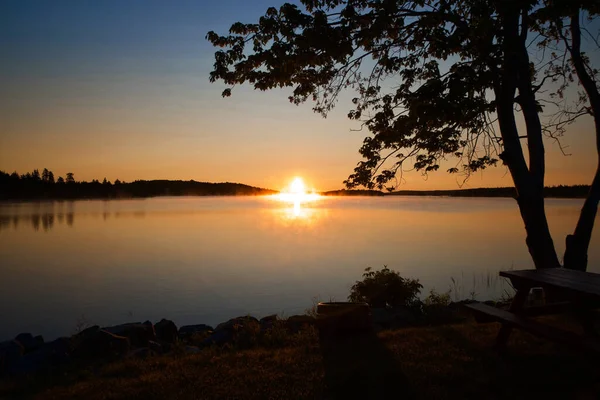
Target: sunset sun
[(297, 186), (296, 192)]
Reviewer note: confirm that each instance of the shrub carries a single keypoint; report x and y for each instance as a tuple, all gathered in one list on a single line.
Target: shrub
[(436, 299), (385, 288)]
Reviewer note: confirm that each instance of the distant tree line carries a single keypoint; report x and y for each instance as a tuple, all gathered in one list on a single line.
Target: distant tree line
[(561, 191), (44, 185)]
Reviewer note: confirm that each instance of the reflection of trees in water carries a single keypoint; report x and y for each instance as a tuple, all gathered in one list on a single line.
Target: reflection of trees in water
[(42, 217), (44, 221)]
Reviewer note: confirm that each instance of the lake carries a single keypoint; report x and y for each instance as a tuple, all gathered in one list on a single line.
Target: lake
[(206, 259)]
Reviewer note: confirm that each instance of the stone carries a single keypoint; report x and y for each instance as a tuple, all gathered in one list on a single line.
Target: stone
[(101, 343), (191, 350), (156, 347), (218, 338), (143, 352), (138, 334), (10, 353), (189, 330), (268, 321), (166, 331), (58, 351), (236, 323), (29, 342), (297, 322)]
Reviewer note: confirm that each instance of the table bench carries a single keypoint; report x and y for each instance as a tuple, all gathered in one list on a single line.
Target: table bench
[(570, 291)]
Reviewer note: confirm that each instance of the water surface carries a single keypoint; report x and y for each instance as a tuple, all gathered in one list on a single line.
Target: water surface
[(207, 259)]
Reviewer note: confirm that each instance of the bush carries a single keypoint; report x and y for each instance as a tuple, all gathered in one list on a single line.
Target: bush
[(385, 288), (436, 299)]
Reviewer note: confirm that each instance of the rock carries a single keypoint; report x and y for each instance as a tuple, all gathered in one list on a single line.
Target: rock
[(189, 330), (58, 351), (156, 347), (31, 363), (297, 322), (10, 354), (218, 338), (88, 331), (166, 331), (268, 321), (101, 343), (143, 352), (29, 342), (138, 334), (236, 324), (191, 350)]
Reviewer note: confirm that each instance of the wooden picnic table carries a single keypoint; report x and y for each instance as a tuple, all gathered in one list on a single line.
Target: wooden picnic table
[(574, 292)]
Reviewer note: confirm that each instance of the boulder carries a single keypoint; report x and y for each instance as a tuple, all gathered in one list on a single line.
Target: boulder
[(166, 331), (88, 332), (189, 330), (297, 322), (236, 324), (29, 342), (10, 353), (101, 343), (58, 351), (268, 321), (138, 334), (143, 352), (191, 350), (218, 338), (156, 347)]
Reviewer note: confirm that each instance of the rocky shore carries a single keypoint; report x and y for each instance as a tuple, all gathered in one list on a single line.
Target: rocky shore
[(28, 354)]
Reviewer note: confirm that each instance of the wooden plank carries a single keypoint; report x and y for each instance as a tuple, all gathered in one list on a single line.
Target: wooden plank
[(535, 327), (577, 283)]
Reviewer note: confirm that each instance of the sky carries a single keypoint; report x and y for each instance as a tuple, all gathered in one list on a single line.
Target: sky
[(120, 89)]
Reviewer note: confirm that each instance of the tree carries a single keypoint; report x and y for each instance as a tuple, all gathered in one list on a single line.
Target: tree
[(434, 80), (70, 177), (47, 176), (35, 175), (562, 20), (60, 180)]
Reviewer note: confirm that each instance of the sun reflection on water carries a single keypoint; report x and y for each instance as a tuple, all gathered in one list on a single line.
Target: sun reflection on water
[(297, 195)]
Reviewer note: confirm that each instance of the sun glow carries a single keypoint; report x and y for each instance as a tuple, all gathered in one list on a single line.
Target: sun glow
[(297, 193)]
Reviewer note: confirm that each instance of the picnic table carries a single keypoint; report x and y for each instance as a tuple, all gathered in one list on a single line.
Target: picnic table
[(566, 291)]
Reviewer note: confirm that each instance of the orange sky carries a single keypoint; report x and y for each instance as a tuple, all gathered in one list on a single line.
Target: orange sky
[(106, 97)]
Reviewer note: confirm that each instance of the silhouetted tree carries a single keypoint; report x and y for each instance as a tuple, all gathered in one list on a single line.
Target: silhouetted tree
[(434, 79), (60, 180), (35, 175), (50, 177), (70, 177)]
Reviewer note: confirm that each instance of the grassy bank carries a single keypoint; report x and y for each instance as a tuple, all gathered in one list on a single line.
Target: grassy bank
[(451, 361)]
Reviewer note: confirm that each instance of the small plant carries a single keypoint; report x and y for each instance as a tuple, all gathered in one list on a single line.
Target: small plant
[(385, 288), (436, 299)]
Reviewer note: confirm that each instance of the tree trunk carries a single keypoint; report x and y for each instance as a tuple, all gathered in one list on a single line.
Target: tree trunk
[(529, 182), (578, 243)]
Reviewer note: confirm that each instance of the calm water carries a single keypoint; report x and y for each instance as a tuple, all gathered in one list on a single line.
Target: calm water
[(203, 260)]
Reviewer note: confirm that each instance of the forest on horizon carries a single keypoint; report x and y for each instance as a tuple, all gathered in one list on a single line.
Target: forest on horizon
[(43, 185)]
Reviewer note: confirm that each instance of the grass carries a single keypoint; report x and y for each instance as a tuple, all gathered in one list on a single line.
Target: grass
[(452, 361)]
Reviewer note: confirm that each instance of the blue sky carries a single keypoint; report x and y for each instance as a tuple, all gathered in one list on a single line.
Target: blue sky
[(119, 88)]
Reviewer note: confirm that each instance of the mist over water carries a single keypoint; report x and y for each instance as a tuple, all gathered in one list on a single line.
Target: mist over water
[(207, 259)]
